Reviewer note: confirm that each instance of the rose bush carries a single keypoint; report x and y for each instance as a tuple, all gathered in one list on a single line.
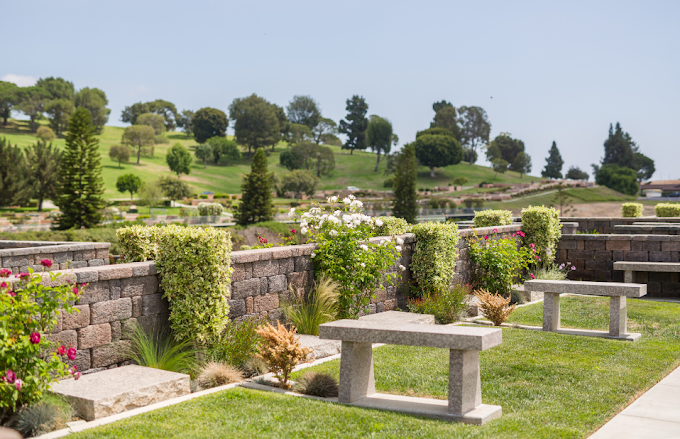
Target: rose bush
[(29, 361), (346, 254)]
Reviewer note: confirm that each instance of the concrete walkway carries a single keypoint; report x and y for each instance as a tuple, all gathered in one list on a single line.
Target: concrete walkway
[(656, 414)]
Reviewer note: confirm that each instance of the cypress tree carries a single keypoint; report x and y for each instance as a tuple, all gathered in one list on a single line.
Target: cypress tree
[(619, 148), (553, 164), (405, 203), (13, 178), (80, 184), (256, 201)]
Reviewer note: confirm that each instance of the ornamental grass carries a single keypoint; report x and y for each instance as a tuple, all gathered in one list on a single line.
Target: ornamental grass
[(494, 306)]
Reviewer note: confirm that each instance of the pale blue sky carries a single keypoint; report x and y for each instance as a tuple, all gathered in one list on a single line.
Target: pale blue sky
[(556, 71)]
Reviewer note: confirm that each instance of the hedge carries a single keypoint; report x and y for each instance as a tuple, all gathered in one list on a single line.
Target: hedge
[(391, 225), (489, 218), (631, 210), (433, 263), (210, 209), (543, 229), (667, 209), (138, 243)]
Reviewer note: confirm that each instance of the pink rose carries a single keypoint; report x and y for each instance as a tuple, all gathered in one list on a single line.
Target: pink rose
[(24, 276), (71, 353), (61, 350), (46, 263), (35, 338), (486, 237), (532, 276), (10, 376), (495, 230), (18, 383), (5, 272), (75, 290), (76, 376)]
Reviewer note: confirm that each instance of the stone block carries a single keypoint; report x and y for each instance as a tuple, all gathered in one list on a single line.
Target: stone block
[(79, 318), (639, 256), (95, 263), (246, 288), (266, 302), (618, 245), (111, 310), (303, 263), (94, 335), (136, 306), (147, 268), (277, 284), (127, 328), (111, 353), (390, 304), (154, 304), (87, 275), (659, 256), (242, 272), (89, 254), (154, 322), (67, 338), (102, 253), (63, 257), (566, 244), (281, 252), (78, 264), (83, 360), (237, 308), (138, 286), (603, 255), (265, 268), (298, 279), (594, 245), (594, 265), (286, 265), (670, 246), (115, 331), (124, 388), (249, 305), (581, 254), (95, 292), (651, 246), (264, 285), (118, 271), (399, 318)]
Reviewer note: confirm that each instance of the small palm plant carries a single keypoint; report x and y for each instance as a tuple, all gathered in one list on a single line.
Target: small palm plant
[(160, 350), (320, 306)]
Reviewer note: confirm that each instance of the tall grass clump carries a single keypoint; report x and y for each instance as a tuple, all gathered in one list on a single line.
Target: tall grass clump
[(160, 350), (238, 343), (446, 305), (320, 306)]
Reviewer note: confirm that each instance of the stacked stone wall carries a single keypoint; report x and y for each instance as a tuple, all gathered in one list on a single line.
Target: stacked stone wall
[(606, 225), (18, 256)]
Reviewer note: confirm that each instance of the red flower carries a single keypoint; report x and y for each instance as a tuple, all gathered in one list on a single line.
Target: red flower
[(292, 231), (71, 353), (46, 263), (76, 376), (24, 276), (532, 276), (10, 377), (75, 290), (61, 350), (495, 230), (35, 338), (486, 237), (5, 272)]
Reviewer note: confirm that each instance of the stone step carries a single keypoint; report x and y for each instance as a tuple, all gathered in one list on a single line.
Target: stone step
[(120, 389)]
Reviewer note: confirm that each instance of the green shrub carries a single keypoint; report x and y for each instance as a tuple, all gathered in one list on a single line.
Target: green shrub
[(391, 225), (490, 218), (194, 267), (238, 343), (667, 210), (320, 306), (631, 210), (446, 305), (210, 209), (434, 260), (619, 178), (543, 229), (138, 243), (50, 414)]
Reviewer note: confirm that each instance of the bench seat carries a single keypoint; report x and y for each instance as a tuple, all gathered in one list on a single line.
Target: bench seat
[(665, 267), (608, 289)]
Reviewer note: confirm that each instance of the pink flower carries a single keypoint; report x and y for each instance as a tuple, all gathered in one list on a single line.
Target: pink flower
[(76, 376), (532, 245), (24, 276), (18, 383), (35, 338), (495, 230), (61, 350), (573, 267), (46, 263), (75, 290), (5, 272), (532, 276), (71, 353), (10, 376), (292, 231), (486, 237)]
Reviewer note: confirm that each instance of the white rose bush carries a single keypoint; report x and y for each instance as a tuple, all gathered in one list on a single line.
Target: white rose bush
[(341, 233)]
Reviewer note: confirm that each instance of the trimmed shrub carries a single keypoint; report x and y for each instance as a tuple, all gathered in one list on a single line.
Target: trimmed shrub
[(391, 225), (631, 210), (210, 209), (434, 260), (667, 210), (543, 229), (317, 384), (194, 267), (490, 218), (138, 243)]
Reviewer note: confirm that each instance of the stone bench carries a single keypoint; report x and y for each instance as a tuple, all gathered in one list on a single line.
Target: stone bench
[(629, 267), (617, 292), (357, 383)]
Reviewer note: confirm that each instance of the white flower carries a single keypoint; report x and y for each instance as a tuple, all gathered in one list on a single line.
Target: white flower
[(378, 223), (333, 199), (346, 200), (337, 213), (402, 268), (398, 248), (400, 241), (347, 218), (363, 265), (303, 223), (303, 230), (351, 197), (364, 247), (382, 241), (313, 254), (333, 232), (291, 212)]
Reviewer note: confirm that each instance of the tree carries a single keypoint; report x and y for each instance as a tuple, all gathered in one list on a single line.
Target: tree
[(474, 128), (459, 181), (553, 164), (138, 136), (575, 173), (446, 118), (562, 199), (437, 147), (159, 106), (119, 153), (95, 101), (522, 164), (441, 105), (42, 169), (128, 183), (184, 121), (59, 111), (174, 188), (45, 133), (256, 202), (508, 147), (405, 204), (643, 166), (12, 178), (356, 124), (155, 121), (256, 124), (379, 136), (204, 152), (32, 103), (57, 88), (150, 193), (619, 178), (308, 156), (323, 131), (499, 167), (304, 110), (322, 160), (209, 122), (299, 134), (9, 98), (179, 160), (224, 148), (300, 181), (80, 184), (284, 123), (619, 148)]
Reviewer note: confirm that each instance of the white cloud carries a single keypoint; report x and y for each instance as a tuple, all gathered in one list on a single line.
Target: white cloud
[(20, 80)]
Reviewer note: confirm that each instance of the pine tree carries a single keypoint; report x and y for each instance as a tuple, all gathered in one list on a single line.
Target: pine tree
[(80, 184), (405, 203), (256, 201), (619, 148), (356, 124), (553, 164)]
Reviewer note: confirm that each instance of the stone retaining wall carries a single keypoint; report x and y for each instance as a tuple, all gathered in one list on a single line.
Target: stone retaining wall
[(19, 255), (606, 225)]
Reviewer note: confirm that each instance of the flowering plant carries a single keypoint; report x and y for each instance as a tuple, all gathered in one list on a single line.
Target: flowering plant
[(29, 361), (346, 253)]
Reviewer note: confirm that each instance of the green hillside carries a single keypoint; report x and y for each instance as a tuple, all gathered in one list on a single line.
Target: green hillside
[(351, 170)]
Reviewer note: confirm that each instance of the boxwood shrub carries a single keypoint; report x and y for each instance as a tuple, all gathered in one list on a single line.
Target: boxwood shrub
[(489, 218), (138, 243), (392, 226), (667, 209), (433, 263), (631, 210), (543, 229)]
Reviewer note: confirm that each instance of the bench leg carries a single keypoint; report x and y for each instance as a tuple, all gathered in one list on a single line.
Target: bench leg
[(628, 276), (618, 316), (551, 311), (356, 371), (465, 385)]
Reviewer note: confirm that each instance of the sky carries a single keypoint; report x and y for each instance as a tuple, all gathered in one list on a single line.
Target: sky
[(543, 71)]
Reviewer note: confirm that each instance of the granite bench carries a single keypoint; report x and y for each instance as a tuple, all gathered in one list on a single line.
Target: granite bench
[(617, 293), (629, 267), (357, 384)]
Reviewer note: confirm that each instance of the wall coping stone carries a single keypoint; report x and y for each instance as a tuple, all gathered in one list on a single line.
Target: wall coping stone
[(621, 237)]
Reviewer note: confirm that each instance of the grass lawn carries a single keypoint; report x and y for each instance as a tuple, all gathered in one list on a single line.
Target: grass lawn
[(550, 386)]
